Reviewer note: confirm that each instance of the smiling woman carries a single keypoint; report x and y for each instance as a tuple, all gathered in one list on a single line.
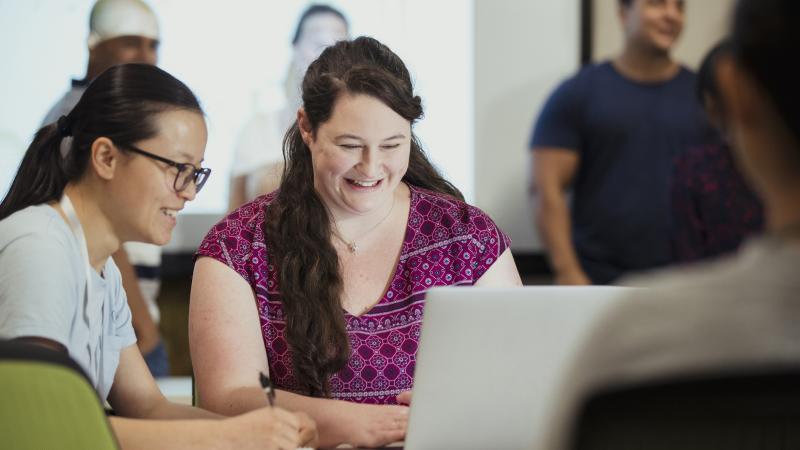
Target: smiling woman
[(323, 282), (117, 168)]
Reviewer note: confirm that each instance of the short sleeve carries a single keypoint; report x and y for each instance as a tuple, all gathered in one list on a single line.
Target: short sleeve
[(232, 241), (38, 292), (490, 240), (559, 123)]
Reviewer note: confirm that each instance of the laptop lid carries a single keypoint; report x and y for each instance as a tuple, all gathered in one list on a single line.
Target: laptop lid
[(490, 362)]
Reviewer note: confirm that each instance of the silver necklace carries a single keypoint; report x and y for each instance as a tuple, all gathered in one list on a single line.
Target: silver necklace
[(352, 245)]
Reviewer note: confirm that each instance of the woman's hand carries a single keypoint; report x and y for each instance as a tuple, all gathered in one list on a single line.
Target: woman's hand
[(404, 398), (309, 436), (373, 425), (269, 428)]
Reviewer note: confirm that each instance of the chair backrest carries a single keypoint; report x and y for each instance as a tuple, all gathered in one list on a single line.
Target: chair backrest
[(732, 412), (46, 401)]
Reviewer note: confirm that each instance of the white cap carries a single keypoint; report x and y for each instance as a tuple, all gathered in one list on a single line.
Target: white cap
[(114, 18)]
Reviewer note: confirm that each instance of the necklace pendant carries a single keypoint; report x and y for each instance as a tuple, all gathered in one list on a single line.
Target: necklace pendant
[(352, 246)]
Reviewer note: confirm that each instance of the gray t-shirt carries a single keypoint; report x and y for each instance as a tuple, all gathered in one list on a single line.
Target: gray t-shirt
[(734, 314), (42, 293)]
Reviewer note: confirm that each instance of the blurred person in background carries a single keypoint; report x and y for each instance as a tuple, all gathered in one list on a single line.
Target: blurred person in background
[(258, 158), (611, 133), (126, 31), (714, 210), (737, 314)]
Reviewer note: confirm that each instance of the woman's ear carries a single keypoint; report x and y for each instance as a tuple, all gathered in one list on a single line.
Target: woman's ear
[(304, 125), (105, 158)]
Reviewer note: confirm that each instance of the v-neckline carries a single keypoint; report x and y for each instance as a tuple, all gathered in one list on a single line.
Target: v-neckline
[(412, 199)]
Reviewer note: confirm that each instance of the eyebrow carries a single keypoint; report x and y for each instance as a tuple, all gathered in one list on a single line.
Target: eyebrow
[(189, 157), (352, 136)]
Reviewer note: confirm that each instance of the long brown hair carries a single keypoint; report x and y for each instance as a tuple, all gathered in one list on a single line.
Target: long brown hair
[(298, 224)]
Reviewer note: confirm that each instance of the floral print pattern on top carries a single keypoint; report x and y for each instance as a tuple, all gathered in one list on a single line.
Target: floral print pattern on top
[(447, 243)]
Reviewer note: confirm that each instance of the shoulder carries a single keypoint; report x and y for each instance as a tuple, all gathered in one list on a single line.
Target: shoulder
[(39, 228), (40, 273), (589, 74), (700, 289), (244, 221), (441, 217), (685, 81), (582, 79), (572, 91), (237, 232), (437, 207), (704, 316)]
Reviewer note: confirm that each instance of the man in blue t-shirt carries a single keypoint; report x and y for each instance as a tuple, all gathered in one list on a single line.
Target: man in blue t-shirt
[(610, 133)]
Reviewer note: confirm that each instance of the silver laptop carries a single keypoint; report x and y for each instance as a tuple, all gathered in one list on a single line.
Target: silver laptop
[(490, 362)]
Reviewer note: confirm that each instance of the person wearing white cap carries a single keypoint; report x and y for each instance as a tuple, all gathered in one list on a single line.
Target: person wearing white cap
[(120, 32)]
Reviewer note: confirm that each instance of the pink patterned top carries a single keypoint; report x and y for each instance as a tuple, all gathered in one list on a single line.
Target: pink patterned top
[(447, 242)]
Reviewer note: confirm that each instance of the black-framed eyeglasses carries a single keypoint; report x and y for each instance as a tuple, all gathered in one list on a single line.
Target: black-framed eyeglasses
[(186, 172)]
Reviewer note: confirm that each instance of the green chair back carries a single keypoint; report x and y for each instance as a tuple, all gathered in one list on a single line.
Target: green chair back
[(44, 405)]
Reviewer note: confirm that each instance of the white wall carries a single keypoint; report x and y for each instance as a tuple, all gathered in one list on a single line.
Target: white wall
[(522, 49), (706, 23), (234, 56), (494, 81)]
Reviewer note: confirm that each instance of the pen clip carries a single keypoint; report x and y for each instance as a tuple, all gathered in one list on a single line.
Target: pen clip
[(266, 385)]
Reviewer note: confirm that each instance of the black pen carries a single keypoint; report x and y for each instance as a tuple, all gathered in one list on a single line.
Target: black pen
[(266, 384)]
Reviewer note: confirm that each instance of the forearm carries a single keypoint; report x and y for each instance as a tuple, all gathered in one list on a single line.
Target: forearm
[(166, 410), (172, 434), (555, 228), (326, 413)]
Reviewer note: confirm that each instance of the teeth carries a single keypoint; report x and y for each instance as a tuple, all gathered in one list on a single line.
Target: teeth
[(169, 212), (365, 183)]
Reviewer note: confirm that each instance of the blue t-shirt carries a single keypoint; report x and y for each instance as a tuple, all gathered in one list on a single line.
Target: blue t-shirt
[(626, 134)]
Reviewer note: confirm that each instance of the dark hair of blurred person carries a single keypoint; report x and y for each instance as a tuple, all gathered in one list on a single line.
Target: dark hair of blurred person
[(714, 210)]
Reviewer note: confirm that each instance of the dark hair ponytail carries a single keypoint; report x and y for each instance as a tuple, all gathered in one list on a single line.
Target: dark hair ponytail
[(120, 104), (297, 224)]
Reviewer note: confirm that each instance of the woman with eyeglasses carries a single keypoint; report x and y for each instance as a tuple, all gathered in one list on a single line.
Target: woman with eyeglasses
[(119, 167)]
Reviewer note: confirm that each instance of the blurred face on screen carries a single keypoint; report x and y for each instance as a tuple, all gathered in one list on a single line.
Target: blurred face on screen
[(318, 32), (655, 24)]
